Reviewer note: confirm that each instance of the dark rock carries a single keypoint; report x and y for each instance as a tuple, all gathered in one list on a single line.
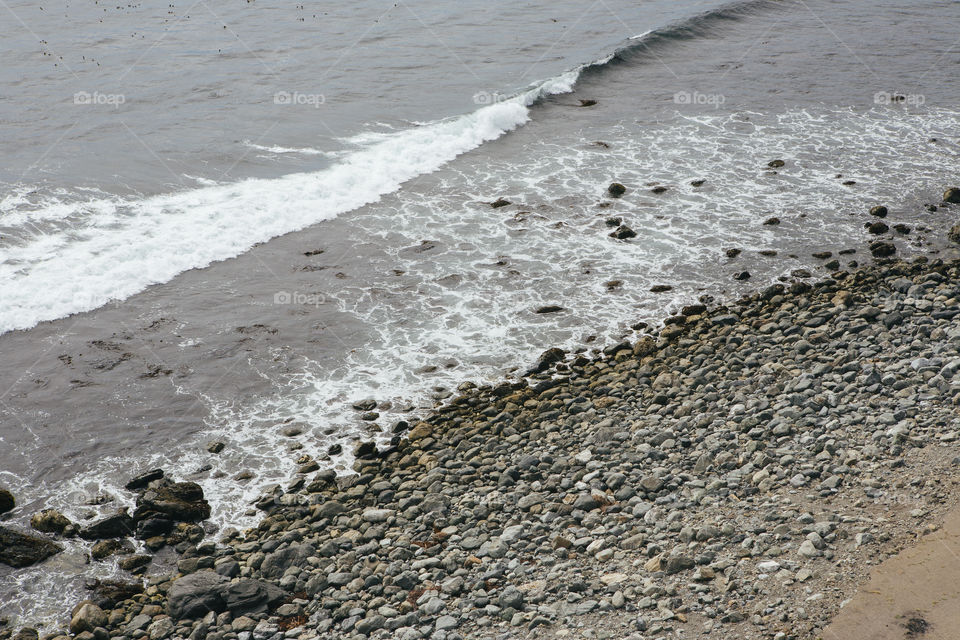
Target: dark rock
[(335, 449), (23, 550), (954, 234), (879, 211), (153, 526), (769, 222), (215, 446), (587, 103), (659, 189), (613, 222), (500, 202), (733, 253), (142, 480), (367, 404), (952, 195), (676, 564), (550, 308), (877, 228), (776, 164), (106, 548), (613, 285), (180, 501), (119, 525), (902, 229), (616, 189), (822, 255), (49, 521), (881, 249), (130, 563), (661, 288), (693, 309), (547, 359), (275, 564), (623, 232), (195, 595), (7, 502), (251, 597), (697, 183), (26, 633), (366, 449), (742, 275)]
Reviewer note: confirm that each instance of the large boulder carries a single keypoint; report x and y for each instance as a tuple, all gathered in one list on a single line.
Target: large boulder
[(22, 550), (49, 521), (195, 595), (87, 618), (952, 195), (276, 564), (119, 525), (180, 501), (7, 503)]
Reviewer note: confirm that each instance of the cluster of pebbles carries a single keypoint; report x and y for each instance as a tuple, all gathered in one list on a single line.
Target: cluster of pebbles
[(735, 476)]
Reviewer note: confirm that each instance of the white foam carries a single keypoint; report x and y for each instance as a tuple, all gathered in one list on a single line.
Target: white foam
[(275, 148)]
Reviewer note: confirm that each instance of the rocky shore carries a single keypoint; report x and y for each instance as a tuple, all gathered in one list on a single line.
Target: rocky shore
[(734, 476)]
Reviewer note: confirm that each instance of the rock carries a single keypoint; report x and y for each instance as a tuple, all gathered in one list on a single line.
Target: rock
[(49, 521), (156, 525), (511, 597), (697, 183), (87, 618), (377, 515), (142, 480), (879, 211), (776, 164), (733, 252), (742, 275), (160, 628), (547, 359), (119, 525), (770, 222), (659, 189), (500, 202), (367, 404), (623, 232), (877, 228), (23, 550), (808, 550), (954, 234), (251, 597), (134, 562), (616, 189), (366, 449), (194, 595), (952, 195), (7, 502), (180, 501), (216, 446), (587, 103), (661, 288), (26, 633), (881, 249), (106, 548), (676, 564), (275, 564)]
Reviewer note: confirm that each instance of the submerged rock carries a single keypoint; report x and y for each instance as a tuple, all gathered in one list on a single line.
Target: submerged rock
[(7, 502), (23, 550)]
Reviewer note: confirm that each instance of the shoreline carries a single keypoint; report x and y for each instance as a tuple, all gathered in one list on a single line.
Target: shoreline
[(592, 473)]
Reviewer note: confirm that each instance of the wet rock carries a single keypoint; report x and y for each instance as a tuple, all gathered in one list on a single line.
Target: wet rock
[(616, 189), (613, 222), (180, 501), (251, 597), (215, 446), (197, 594), (879, 211), (27, 633), (133, 562), (547, 359), (23, 550), (7, 502), (550, 308), (776, 164), (119, 525), (87, 618), (661, 288), (742, 275), (275, 564), (367, 404), (697, 183), (659, 189), (106, 548), (881, 249), (902, 229), (153, 526), (500, 202), (877, 228), (142, 480), (733, 253), (770, 222), (49, 521), (587, 103), (954, 234), (623, 232), (952, 195), (822, 255), (366, 449)]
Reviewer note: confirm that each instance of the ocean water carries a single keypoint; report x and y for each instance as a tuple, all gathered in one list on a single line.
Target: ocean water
[(235, 224)]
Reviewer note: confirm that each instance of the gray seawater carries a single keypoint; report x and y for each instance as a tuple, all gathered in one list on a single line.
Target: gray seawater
[(147, 310)]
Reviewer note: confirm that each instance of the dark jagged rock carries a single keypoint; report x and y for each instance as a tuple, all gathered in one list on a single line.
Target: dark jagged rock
[(365, 450), (776, 164), (158, 525), (142, 480), (550, 308), (547, 359), (881, 249), (697, 183), (197, 594), (770, 222), (19, 549), (7, 502), (877, 228), (180, 501), (119, 525), (616, 189), (623, 232), (500, 202), (952, 195), (742, 275), (275, 564), (106, 548), (659, 189), (733, 253), (879, 211), (107, 593)]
